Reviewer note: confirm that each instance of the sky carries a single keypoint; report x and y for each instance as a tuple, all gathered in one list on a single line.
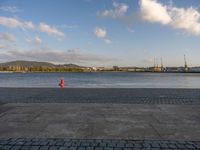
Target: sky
[(101, 32)]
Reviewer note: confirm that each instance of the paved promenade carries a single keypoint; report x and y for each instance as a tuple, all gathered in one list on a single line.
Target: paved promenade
[(100, 121), (135, 118)]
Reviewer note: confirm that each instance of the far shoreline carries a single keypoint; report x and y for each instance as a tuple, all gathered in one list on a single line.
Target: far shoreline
[(98, 72)]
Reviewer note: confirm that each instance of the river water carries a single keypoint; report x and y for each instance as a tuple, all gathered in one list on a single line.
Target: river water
[(102, 80)]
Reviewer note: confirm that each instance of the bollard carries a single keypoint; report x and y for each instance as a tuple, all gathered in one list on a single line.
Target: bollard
[(62, 83)]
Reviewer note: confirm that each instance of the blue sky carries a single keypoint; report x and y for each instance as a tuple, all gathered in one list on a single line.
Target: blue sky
[(101, 32)]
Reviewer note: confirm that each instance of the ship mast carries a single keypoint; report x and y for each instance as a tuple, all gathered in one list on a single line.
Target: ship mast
[(185, 61), (161, 62), (186, 66)]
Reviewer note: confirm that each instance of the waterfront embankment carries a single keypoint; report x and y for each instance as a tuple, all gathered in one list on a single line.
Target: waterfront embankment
[(153, 114), (100, 121)]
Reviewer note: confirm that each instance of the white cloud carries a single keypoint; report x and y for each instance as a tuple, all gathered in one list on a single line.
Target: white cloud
[(11, 9), (34, 41), (43, 27), (187, 19), (38, 40), (119, 10), (120, 13), (153, 11), (15, 23), (7, 37), (29, 25), (100, 33), (50, 30)]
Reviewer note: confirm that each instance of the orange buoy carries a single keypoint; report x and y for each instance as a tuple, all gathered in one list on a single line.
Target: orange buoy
[(62, 83)]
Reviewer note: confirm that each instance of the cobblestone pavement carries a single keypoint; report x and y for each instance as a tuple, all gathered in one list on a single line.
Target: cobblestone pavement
[(75, 144), (101, 95)]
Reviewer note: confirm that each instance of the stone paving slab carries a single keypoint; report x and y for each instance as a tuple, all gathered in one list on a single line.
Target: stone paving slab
[(95, 144), (35, 119), (100, 95), (100, 121)]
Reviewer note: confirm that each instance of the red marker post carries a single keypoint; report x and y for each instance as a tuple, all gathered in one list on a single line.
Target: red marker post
[(62, 83)]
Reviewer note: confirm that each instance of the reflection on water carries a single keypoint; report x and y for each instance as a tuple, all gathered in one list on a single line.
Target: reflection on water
[(102, 80)]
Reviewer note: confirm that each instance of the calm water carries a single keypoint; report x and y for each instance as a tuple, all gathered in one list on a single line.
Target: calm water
[(101, 80)]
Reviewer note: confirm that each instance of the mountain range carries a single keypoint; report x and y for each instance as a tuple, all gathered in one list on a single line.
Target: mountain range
[(23, 63)]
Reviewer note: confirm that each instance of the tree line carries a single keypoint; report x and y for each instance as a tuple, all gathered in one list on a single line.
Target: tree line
[(40, 69)]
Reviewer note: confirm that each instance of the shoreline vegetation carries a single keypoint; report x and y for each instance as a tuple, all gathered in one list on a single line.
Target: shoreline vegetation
[(5, 72), (37, 67)]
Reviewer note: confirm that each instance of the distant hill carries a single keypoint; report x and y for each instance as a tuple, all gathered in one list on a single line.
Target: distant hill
[(23, 63), (27, 64), (72, 66)]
